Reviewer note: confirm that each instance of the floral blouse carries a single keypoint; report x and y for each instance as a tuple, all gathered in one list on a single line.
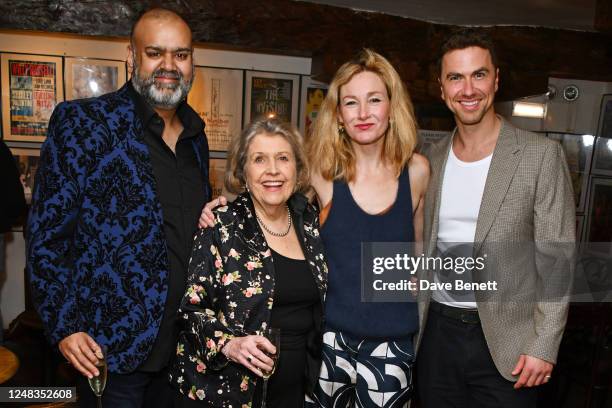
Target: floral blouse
[(230, 291)]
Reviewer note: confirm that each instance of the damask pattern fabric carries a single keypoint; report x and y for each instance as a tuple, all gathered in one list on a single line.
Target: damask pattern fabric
[(230, 293), (96, 252)]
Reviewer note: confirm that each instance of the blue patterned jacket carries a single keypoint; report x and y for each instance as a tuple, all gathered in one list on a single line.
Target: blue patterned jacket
[(96, 251)]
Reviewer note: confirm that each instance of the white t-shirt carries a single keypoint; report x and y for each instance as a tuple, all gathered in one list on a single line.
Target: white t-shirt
[(462, 189)]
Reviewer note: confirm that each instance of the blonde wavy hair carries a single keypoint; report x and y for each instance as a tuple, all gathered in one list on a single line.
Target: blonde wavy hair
[(331, 153), (235, 180)]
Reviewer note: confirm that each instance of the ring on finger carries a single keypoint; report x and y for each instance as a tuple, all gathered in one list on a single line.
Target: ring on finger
[(250, 358)]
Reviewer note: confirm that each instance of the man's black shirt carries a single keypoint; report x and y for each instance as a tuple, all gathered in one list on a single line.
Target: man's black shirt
[(182, 194)]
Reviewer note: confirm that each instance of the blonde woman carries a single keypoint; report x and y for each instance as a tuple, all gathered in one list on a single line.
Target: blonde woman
[(370, 185)]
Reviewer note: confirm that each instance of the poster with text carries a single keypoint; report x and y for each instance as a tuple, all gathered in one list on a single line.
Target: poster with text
[(31, 88), (272, 96), (313, 94), (217, 176), (216, 96)]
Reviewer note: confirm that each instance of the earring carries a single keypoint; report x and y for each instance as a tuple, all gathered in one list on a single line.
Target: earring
[(341, 129)]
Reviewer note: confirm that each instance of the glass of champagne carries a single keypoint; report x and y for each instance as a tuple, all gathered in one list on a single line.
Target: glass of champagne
[(98, 383), (273, 335)]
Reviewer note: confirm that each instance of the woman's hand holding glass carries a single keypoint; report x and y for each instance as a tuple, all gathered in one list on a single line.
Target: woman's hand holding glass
[(250, 351)]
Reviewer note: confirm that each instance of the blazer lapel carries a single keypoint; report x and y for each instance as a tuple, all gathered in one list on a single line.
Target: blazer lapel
[(504, 163)]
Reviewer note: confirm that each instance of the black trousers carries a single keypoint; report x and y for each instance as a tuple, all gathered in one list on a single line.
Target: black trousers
[(455, 369), (135, 390)]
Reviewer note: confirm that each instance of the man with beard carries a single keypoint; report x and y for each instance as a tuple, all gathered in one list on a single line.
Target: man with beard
[(507, 194), (122, 180)]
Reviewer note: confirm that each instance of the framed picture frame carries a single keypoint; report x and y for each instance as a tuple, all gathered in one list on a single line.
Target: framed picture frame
[(88, 77), (604, 127), (26, 160), (578, 153), (598, 233), (216, 95), (216, 175), (312, 95), (602, 160), (271, 95), (602, 157), (428, 137), (32, 86)]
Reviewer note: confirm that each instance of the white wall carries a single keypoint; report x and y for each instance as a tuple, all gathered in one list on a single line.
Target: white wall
[(75, 46), (11, 286)]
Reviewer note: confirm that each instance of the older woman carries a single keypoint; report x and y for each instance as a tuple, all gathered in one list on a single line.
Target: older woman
[(261, 266), (370, 185)]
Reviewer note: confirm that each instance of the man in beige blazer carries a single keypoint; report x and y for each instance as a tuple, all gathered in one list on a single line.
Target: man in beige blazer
[(505, 190)]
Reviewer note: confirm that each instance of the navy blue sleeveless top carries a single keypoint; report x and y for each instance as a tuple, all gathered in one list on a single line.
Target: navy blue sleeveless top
[(345, 228)]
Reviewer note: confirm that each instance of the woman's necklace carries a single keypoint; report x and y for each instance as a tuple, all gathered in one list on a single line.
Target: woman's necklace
[(276, 234)]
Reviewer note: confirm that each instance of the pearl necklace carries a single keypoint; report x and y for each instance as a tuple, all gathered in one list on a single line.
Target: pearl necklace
[(276, 234)]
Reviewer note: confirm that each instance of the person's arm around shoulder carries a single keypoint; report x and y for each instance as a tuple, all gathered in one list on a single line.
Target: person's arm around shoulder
[(207, 218), (324, 189), (418, 168), (56, 202)]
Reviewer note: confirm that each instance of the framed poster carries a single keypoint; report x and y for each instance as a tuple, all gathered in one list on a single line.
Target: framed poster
[(86, 77), (271, 95), (599, 217), (428, 137), (31, 87), (602, 161), (578, 153), (216, 176), (312, 96), (216, 95), (27, 163)]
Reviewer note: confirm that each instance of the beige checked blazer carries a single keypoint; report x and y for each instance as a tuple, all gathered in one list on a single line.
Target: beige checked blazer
[(528, 197)]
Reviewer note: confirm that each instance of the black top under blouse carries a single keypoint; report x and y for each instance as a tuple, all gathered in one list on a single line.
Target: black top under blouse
[(295, 295), (295, 298)]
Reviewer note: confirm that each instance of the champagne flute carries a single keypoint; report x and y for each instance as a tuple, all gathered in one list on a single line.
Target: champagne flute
[(273, 335), (98, 383)]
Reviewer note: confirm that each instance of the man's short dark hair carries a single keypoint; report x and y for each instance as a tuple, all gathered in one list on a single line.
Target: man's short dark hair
[(465, 38)]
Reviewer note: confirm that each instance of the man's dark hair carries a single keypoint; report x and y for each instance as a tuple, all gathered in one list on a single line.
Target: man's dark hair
[(465, 38)]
